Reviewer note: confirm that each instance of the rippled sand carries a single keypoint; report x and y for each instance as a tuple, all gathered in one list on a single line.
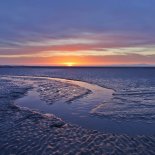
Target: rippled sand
[(27, 132)]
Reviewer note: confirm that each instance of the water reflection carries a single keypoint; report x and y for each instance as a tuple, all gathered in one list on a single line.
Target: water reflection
[(78, 111)]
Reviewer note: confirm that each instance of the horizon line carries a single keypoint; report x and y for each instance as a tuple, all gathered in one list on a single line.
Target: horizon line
[(77, 66)]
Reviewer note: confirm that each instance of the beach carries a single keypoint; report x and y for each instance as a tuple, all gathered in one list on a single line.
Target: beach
[(27, 131)]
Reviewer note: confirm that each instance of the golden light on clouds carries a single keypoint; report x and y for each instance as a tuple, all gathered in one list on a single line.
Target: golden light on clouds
[(42, 59)]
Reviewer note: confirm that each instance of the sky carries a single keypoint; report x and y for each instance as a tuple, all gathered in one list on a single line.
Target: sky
[(77, 32)]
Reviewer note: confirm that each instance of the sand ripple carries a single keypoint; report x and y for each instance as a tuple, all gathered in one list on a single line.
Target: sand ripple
[(27, 132)]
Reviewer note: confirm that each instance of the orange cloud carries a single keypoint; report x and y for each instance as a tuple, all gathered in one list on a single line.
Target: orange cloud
[(82, 60)]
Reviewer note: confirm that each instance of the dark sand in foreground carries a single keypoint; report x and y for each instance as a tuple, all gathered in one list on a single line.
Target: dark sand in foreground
[(27, 132)]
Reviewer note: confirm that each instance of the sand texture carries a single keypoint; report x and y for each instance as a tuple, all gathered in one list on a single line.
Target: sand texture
[(26, 132)]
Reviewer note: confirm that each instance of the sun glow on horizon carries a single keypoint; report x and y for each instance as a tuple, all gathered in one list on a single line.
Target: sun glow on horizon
[(69, 64)]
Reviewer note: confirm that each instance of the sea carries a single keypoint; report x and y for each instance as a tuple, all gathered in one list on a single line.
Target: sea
[(130, 109)]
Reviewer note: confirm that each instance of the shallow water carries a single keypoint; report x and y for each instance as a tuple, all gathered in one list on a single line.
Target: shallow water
[(134, 97), (78, 111), (29, 132), (132, 101)]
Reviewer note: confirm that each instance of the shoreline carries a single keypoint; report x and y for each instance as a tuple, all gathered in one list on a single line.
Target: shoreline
[(29, 132)]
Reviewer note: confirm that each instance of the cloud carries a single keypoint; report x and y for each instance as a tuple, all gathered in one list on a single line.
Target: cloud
[(88, 28), (82, 42), (130, 59)]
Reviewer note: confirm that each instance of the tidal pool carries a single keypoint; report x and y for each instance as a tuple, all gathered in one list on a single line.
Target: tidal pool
[(79, 110)]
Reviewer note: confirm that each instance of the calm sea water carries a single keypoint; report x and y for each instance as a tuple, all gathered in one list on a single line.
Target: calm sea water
[(133, 100)]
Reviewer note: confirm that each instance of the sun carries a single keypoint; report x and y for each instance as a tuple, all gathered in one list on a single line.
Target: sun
[(69, 64)]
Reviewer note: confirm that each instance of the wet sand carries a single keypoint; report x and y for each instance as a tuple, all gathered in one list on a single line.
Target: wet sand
[(23, 131)]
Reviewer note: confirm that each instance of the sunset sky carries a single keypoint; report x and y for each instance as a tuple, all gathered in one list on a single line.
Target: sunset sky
[(77, 32)]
